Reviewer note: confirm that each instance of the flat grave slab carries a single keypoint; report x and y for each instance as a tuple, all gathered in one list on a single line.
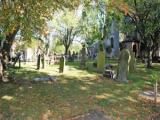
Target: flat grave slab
[(149, 95), (45, 79), (92, 115)]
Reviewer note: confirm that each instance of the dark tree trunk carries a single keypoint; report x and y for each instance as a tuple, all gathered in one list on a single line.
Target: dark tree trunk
[(66, 50), (38, 62), (7, 47), (149, 58)]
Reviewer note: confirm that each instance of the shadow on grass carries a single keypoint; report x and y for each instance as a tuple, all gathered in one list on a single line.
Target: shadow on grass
[(71, 95), (24, 74), (89, 68), (89, 65)]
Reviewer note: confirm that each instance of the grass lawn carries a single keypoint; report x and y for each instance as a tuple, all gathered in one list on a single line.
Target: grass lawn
[(75, 92)]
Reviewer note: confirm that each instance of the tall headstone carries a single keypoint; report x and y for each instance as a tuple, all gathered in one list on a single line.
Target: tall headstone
[(61, 64), (101, 58), (132, 63), (83, 56), (123, 65)]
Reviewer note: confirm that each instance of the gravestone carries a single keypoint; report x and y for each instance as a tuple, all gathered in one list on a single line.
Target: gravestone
[(132, 64), (83, 56), (73, 56), (149, 96), (123, 65), (45, 79), (92, 115), (101, 58), (69, 56), (61, 64)]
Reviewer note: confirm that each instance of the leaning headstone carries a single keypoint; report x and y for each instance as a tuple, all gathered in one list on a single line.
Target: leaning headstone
[(123, 65), (61, 64), (101, 58), (83, 56)]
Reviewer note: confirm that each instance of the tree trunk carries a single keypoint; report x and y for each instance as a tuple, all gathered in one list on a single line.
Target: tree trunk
[(149, 58), (38, 61), (7, 47), (1, 71), (66, 50)]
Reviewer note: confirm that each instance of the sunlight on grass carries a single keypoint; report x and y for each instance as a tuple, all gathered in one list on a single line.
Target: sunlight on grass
[(8, 98), (83, 88), (75, 92), (131, 99), (103, 96)]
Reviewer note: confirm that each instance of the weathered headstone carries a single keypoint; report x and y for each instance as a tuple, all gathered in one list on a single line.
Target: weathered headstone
[(132, 64), (101, 58), (92, 115), (69, 56), (45, 79), (149, 96), (73, 56), (123, 65), (83, 56), (61, 64)]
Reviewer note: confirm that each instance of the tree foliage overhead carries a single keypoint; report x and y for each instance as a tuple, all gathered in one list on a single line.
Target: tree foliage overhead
[(145, 19), (144, 16), (29, 15), (89, 24), (67, 27)]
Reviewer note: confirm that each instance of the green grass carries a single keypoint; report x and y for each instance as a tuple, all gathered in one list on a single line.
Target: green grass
[(74, 93)]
